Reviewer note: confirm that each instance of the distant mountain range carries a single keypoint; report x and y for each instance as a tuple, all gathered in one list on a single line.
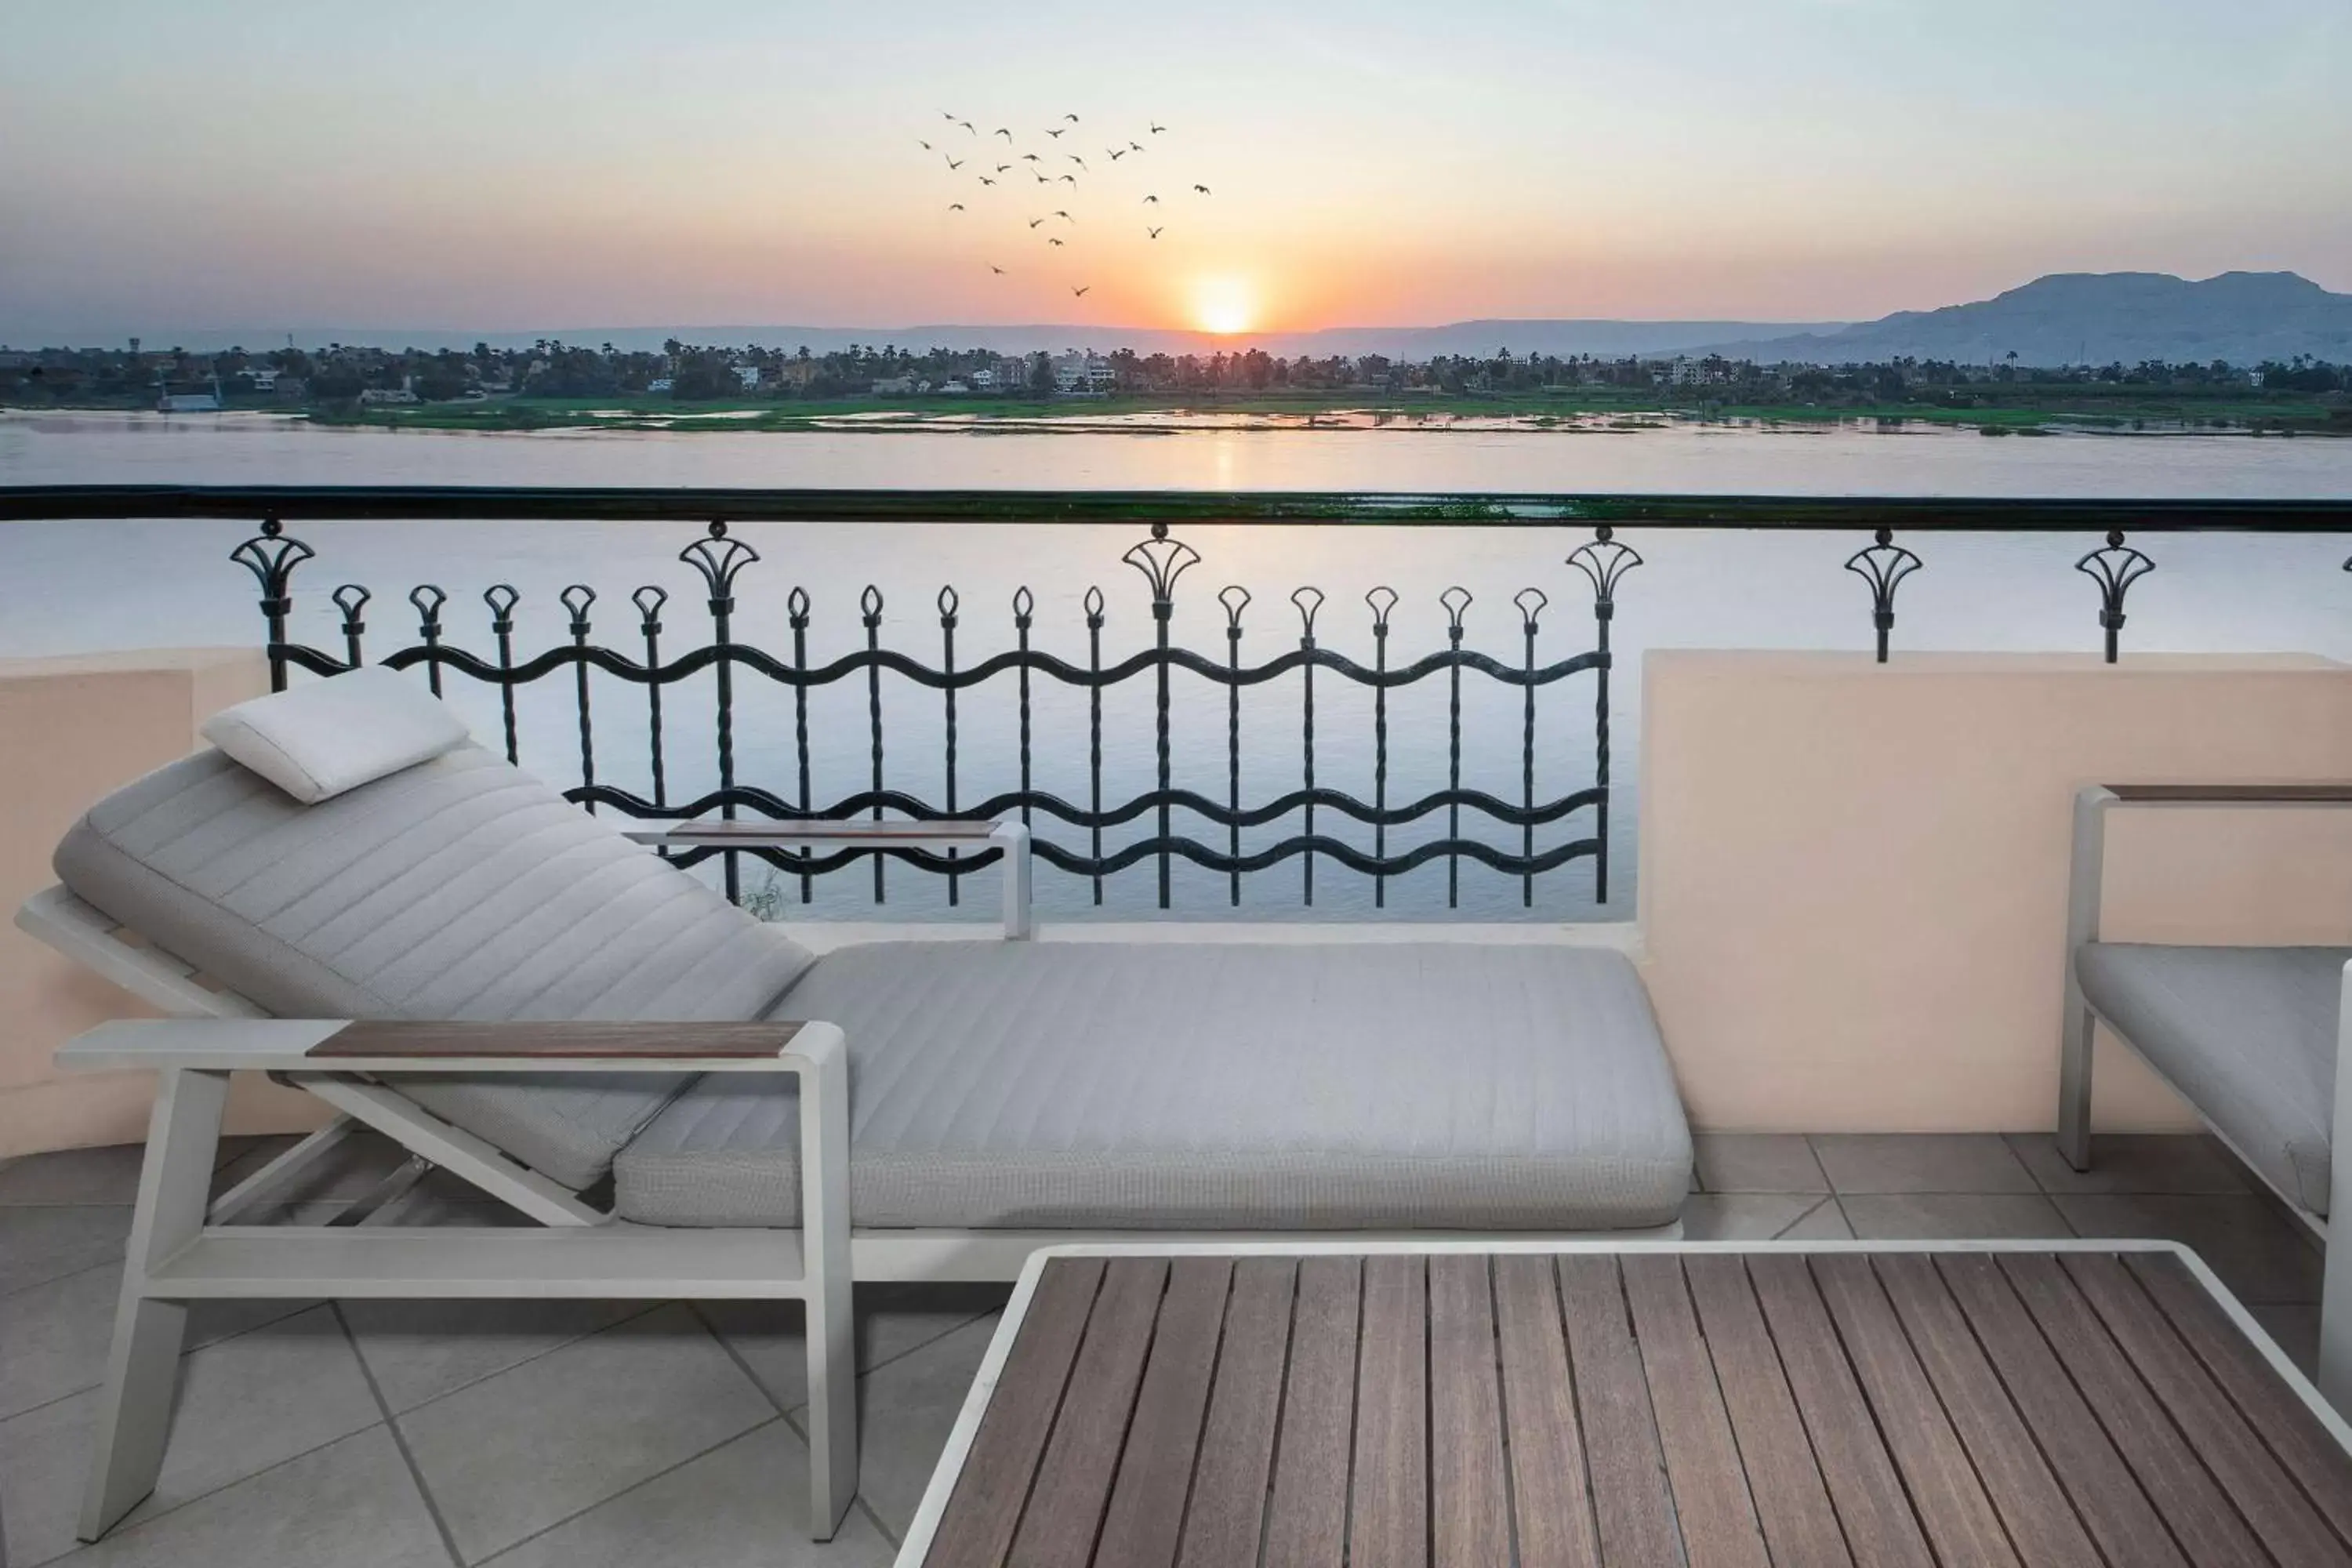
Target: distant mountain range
[(2065, 318), (2094, 318)]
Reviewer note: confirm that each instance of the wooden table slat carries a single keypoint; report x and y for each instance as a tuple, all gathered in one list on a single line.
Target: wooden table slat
[(1470, 1502), (2041, 1522), (2121, 1519), (1227, 1511), (1389, 1524), (1630, 1499), (1784, 1479), (1946, 1492), (1147, 1499), (976, 1530), (2280, 1515), (1306, 1520), (1855, 1466), (1710, 1488), (2207, 1527), (1552, 1509), (2305, 1447), (1073, 1483), (2093, 1407)]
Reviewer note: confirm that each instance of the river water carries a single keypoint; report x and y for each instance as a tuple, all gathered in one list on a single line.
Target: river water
[(70, 587)]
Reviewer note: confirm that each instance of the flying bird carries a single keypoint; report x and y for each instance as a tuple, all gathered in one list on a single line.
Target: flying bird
[(1000, 131), (998, 270), (955, 206), (1071, 178), (1039, 178), (1135, 146), (1026, 157), (1065, 216), (1057, 135), (946, 116), (1081, 293), (1002, 167), (1155, 233), (1053, 242), (1202, 189), (1074, 158), (925, 145), (1157, 128), (1035, 221), (967, 125), (986, 181), (1116, 153), (954, 162), (1152, 200)]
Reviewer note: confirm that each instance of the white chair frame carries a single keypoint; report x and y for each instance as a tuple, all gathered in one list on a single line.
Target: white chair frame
[(2086, 880)]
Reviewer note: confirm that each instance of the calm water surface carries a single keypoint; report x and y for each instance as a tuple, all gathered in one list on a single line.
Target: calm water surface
[(68, 587)]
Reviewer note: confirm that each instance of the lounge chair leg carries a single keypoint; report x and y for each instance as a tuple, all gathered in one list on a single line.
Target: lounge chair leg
[(832, 1335), (134, 1412), (2336, 1284), (2074, 1085), (2085, 875)]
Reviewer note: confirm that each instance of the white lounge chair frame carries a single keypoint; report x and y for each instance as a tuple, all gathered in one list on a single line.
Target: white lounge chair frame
[(2086, 884)]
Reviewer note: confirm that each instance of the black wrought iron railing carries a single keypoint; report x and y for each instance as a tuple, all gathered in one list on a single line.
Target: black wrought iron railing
[(1081, 825)]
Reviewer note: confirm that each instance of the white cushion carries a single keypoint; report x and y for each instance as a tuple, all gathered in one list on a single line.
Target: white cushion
[(319, 739)]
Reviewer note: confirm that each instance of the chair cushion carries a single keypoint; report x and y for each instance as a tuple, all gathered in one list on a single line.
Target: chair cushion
[(461, 887), (319, 739), (2248, 1034), (1203, 1085)]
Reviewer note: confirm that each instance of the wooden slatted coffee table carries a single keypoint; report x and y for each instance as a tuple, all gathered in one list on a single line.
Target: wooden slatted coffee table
[(2092, 1403)]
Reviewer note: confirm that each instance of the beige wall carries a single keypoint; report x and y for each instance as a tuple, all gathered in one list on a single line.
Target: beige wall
[(70, 729), (1853, 876)]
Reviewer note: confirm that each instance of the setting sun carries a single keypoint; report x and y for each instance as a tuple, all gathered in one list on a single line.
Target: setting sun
[(1224, 305)]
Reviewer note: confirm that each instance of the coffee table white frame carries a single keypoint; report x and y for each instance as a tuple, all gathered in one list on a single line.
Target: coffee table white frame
[(950, 1469)]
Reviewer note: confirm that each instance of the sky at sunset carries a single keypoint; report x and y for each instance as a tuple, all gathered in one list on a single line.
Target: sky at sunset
[(522, 166)]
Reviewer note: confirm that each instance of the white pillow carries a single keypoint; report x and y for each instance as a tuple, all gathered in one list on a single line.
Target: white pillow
[(319, 739)]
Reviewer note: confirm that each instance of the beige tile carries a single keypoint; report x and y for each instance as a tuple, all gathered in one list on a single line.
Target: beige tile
[(744, 1505), (1758, 1162), (893, 1319), (40, 1243), (419, 1350), (1921, 1162), (905, 1413), (2135, 1163), (2259, 1255), (1743, 1216), (102, 1175), (256, 1400), (1951, 1217), (1825, 1222), (511, 1454), (353, 1501)]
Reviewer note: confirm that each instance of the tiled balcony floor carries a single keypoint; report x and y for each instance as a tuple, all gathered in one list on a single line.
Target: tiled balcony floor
[(580, 1434)]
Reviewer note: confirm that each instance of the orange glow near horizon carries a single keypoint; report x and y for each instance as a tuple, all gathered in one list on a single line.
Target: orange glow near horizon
[(1224, 306)]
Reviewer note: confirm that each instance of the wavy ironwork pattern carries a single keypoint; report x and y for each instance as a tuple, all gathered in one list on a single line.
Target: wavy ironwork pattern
[(1166, 807)]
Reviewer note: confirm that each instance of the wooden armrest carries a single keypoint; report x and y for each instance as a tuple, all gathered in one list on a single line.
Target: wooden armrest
[(789, 835), (2230, 794), (343, 1045), (587, 1041)]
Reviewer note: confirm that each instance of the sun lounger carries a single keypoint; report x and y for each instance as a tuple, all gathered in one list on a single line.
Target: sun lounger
[(2252, 1038), (1001, 1095)]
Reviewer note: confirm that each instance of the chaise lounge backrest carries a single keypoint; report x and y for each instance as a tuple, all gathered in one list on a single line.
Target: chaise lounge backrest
[(458, 888)]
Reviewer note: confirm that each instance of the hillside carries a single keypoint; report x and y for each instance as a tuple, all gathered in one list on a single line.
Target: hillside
[(2094, 318)]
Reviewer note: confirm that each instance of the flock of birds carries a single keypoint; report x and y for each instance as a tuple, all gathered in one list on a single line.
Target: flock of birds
[(994, 175)]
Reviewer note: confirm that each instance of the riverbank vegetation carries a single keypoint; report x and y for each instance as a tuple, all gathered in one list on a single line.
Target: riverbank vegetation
[(556, 386)]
